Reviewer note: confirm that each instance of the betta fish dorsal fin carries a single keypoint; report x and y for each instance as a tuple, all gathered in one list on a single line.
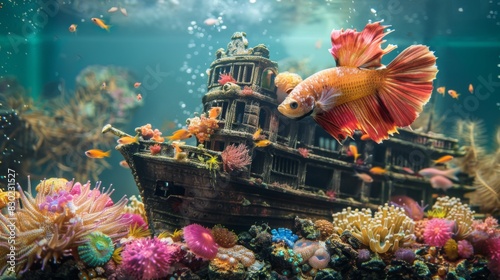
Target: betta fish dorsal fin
[(360, 49)]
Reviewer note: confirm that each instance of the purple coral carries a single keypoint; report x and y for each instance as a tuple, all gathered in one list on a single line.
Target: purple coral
[(465, 249), (57, 202), (147, 258), (404, 254), (235, 157), (364, 255)]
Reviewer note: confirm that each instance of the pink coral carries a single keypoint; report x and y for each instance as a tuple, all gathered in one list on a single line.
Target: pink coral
[(494, 255), (155, 149), (305, 248), (146, 131), (235, 157), (437, 232), (226, 78), (147, 258), (465, 249), (136, 220), (202, 127), (200, 240), (304, 152), (489, 225), (320, 259), (57, 202), (247, 90)]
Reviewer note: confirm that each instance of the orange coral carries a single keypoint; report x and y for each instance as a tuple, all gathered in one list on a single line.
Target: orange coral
[(325, 228), (202, 127), (224, 237)]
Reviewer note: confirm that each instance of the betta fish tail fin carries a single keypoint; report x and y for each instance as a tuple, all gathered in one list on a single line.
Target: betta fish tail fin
[(408, 84)]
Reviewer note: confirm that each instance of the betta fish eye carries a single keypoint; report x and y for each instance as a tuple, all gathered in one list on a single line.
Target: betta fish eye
[(294, 105)]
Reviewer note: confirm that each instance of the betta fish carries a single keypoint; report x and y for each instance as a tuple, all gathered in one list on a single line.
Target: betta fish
[(361, 94)]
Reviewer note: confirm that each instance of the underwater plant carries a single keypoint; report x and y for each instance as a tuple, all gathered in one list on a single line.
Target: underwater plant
[(235, 158), (43, 235)]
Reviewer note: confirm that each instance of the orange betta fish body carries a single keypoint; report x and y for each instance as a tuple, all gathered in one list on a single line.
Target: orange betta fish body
[(362, 94)]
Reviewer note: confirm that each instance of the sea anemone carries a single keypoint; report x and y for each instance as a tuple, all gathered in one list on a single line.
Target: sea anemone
[(97, 250), (465, 249), (320, 259), (404, 254), (451, 249), (200, 240), (148, 258), (224, 237), (437, 232)]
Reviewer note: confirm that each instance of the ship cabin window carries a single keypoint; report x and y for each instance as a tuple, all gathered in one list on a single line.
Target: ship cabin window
[(239, 112), (376, 192), (222, 104), (303, 133), (318, 178), (284, 170), (264, 115), (267, 79), (284, 128), (258, 160), (415, 159), (324, 140), (350, 185), (243, 73), (219, 146), (221, 69), (165, 189)]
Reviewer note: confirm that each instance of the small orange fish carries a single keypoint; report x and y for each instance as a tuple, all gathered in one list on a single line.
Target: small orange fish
[(377, 170), (453, 93), (139, 97), (365, 137), (124, 164), (471, 88), (257, 134), (214, 112), (354, 151), (365, 177), (263, 143), (441, 90), (128, 140), (99, 22), (72, 28), (177, 146), (136, 85), (180, 134), (443, 159), (96, 153)]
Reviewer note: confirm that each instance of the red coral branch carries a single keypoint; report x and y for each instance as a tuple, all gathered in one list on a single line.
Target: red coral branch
[(235, 157)]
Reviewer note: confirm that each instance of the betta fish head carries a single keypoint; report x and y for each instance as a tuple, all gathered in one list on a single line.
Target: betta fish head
[(296, 106)]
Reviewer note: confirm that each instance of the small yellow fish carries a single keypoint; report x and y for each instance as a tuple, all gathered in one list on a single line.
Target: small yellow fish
[(443, 159), (453, 93), (377, 170), (180, 134), (177, 146), (441, 90), (256, 135), (262, 143), (96, 153), (99, 22), (471, 88), (128, 140), (214, 112), (354, 151), (72, 28)]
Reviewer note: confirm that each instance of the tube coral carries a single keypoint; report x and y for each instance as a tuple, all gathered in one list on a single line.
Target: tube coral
[(147, 258), (200, 240), (43, 235), (235, 157)]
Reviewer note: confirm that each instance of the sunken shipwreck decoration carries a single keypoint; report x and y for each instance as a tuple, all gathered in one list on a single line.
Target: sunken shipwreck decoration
[(296, 169)]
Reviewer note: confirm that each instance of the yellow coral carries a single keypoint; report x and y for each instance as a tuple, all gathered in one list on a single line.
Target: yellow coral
[(136, 206), (458, 212), (389, 229), (176, 235), (325, 228), (437, 213), (451, 249)]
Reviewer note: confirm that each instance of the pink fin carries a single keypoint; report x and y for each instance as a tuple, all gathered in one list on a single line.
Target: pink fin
[(367, 114), (360, 49), (408, 84)]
